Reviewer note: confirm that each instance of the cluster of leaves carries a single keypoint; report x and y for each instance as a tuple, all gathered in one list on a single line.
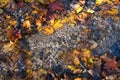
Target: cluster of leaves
[(48, 16)]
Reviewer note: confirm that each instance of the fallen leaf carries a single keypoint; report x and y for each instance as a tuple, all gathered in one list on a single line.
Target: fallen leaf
[(4, 2), (90, 11), (8, 47), (27, 24), (71, 67), (76, 61), (78, 79), (99, 2), (48, 30), (86, 53), (57, 24), (56, 6)]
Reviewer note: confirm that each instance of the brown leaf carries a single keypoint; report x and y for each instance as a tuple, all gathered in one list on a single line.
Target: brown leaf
[(57, 5), (109, 63)]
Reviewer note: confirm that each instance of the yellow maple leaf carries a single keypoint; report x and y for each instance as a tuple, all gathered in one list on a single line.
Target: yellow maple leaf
[(57, 24), (90, 11), (87, 53), (48, 30), (99, 2), (71, 67), (13, 22), (34, 12), (72, 18), (79, 9), (76, 61), (27, 24), (4, 2), (113, 11), (76, 52)]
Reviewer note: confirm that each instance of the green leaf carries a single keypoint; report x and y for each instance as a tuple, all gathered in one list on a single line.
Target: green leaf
[(1, 11)]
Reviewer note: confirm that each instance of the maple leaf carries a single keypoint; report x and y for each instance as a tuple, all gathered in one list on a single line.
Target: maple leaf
[(8, 47), (27, 24), (57, 5), (109, 63), (57, 24), (14, 34), (4, 2), (78, 79), (72, 18), (86, 53), (76, 61), (99, 2), (48, 30)]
